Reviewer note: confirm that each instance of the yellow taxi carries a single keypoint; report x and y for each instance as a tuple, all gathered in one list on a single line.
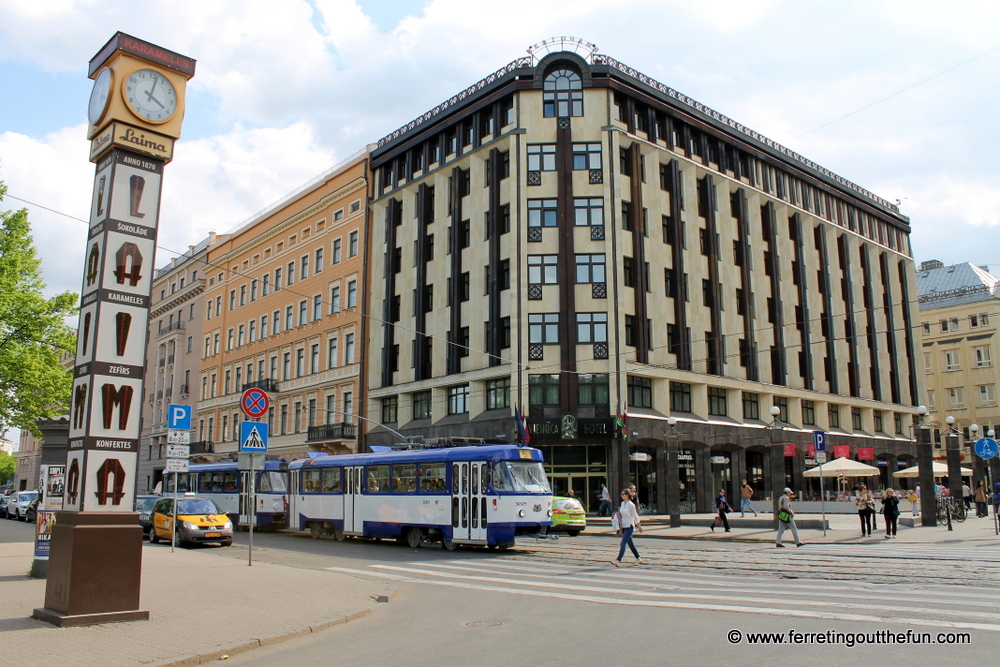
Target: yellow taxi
[(198, 520), (568, 515)]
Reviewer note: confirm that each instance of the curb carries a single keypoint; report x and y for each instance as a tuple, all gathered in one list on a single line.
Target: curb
[(227, 651)]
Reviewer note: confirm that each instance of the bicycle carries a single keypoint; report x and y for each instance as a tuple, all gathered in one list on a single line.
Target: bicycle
[(643, 509), (957, 509)]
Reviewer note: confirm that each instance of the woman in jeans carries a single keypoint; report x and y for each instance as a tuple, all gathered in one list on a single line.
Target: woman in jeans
[(629, 521), (866, 507), (890, 510)]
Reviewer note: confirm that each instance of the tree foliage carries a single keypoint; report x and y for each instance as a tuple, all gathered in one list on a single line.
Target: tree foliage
[(8, 465), (33, 331)]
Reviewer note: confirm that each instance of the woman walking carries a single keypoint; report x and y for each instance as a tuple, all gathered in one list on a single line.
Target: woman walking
[(866, 507), (722, 505), (890, 510), (786, 519), (628, 522), (981, 500)]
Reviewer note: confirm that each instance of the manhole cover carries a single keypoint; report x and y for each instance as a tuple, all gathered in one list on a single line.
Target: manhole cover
[(484, 624)]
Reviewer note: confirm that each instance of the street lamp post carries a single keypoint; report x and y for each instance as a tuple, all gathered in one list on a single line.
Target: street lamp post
[(777, 461), (925, 463), (673, 473)]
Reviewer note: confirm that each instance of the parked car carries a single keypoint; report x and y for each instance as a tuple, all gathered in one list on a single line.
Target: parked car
[(198, 520), (17, 504), (31, 512), (3, 505), (144, 506), (568, 516)]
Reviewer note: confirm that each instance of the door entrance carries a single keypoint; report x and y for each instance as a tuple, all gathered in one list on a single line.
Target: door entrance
[(468, 502), (353, 500)]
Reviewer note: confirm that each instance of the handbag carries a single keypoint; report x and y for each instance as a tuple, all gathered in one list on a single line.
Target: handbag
[(616, 522), (784, 515), (717, 522)]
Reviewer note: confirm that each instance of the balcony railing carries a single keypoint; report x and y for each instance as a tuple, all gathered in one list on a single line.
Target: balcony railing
[(267, 384), (175, 326), (185, 389), (341, 431), (202, 447)]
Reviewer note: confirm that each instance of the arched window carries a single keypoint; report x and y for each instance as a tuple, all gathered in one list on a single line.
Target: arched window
[(563, 94)]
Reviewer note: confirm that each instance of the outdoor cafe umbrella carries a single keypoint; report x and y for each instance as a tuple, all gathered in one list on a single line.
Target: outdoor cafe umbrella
[(940, 470), (842, 467)]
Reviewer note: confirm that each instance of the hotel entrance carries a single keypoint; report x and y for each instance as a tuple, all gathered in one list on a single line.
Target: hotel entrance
[(581, 468)]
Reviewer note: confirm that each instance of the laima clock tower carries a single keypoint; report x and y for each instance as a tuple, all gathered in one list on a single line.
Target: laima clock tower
[(135, 115)]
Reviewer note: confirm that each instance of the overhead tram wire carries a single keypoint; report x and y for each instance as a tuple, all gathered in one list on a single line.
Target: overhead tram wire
[(521, 366)]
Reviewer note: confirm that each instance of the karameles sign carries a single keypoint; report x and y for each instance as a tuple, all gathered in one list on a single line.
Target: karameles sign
[(571, 427)]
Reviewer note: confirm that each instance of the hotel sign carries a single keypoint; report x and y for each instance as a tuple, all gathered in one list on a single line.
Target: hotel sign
[(571, 427)]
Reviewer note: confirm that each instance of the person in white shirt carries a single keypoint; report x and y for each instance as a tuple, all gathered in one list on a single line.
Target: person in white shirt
[(628, 520), (605, 507)]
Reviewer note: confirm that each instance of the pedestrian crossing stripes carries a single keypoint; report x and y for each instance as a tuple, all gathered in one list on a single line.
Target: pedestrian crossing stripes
[(896, 550), (650, 586)]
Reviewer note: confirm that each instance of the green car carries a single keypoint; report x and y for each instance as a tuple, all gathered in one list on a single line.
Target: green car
[(568, 516)]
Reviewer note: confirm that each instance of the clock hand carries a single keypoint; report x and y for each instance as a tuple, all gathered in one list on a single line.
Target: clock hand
[(149, 93)]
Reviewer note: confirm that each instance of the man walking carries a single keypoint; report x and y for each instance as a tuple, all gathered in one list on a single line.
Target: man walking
[(745, 495), (605, 507)]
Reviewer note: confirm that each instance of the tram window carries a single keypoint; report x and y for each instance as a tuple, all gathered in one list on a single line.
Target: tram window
[(475, 513), (210, 482), (331, 480), (404, 478), (168, 484), (465, 478), (272, 481), (483, 503), (432, 478), (378, 479), (310, 480), (500, 480), (475, 480), (454, 480), (229, 481)]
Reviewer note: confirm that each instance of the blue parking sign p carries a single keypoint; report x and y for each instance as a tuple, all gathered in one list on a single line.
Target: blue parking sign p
[(819, 441), (179, 417)]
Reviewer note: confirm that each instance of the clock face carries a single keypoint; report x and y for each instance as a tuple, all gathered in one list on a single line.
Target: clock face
[(150, 95), (99, 96)]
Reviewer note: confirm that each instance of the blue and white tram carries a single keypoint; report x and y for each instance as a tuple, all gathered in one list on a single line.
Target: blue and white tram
[(225, 483), (482, 495)]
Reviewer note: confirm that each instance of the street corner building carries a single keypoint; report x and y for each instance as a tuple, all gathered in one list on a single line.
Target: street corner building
[(577, 240)]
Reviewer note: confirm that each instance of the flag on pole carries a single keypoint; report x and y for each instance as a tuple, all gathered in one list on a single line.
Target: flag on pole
[(523, 434), (621, 422)]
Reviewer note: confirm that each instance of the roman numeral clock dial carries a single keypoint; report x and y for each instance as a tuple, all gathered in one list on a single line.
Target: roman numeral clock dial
[(150, 95)]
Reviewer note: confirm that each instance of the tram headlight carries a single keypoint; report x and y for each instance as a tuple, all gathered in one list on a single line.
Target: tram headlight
[(521, 513)]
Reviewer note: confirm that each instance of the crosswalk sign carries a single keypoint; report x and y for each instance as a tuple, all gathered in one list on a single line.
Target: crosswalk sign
[(253, 436)]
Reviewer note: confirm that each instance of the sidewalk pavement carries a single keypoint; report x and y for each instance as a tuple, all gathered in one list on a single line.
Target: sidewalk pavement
[(842, 529), (201, 607)]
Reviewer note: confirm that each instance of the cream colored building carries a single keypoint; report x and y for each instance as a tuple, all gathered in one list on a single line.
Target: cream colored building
[(573, 237), (283, 314), (959, 316)]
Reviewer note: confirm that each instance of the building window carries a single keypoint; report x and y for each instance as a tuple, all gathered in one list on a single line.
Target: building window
[(290, 274), (588, 212), (782, 404), (314, 358), (304, 267), (336, 252), (927, 329), (286, 365), (640, 392), (562, 94), (680, 397), (956, 400), (458, 399), (319, 260), (593, 389), (717, 402), (232, 299), (586, 157), (390, 407), (543, 328), (628, 272), (982, 354), (751, 405), (987, 398), (331, 353), (352, 294), (498, 394), (590, 269), (422, 405), (951, 360), (352, 244), (879, 424), (541, 157), (303, 312), (543, 269), (348, 406), (300, 362), (543, 389), (240, 335), (334, 300), (252, 333), (349, 349), (542, 212), (833, 415), (591, 328), (289, 315), (976, 321), (808, 413)]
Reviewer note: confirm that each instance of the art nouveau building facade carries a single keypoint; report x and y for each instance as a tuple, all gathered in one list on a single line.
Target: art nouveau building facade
[(283, 313), (569, 236)]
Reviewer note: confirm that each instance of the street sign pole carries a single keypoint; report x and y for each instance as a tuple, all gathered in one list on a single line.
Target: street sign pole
[(819, 444)]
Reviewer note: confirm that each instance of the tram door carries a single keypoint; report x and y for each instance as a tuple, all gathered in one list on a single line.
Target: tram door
[(354, 482), (468, 501), (246, 496)]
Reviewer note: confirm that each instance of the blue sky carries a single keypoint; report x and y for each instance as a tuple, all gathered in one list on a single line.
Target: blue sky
[(285, 90)]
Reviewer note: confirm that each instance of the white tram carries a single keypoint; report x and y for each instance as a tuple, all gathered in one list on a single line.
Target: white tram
[(228, 486), (482, 495)]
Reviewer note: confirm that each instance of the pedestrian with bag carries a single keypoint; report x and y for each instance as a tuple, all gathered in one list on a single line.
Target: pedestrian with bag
[(628, 521), (981, 510), (723, 508), (786, 519), (605, 496), (866, 508), (890, 510), (746, 493)]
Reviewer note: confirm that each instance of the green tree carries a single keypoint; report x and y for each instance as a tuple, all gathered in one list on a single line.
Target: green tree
[(8, 464), (33, 331)]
